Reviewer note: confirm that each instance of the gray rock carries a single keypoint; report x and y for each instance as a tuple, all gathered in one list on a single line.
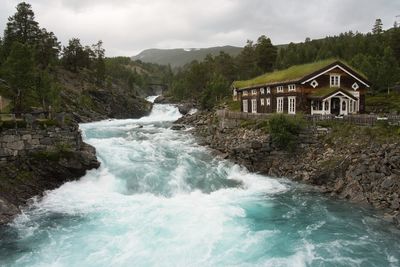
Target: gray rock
[(8, 138), (177, 127), (26, 137), (387, 183), (185, 108), (395, 204), (256, 145), (46, 141), (18, 145)]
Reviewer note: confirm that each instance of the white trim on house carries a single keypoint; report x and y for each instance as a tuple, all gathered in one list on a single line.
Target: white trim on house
[(245, 93), (279, 105), (262, 102), (291, 105), (245, 103), (253, 91), (268, 90), (268, 101), (336, 66), (262, 91), (279, 89), (254, 105), (314, 84)]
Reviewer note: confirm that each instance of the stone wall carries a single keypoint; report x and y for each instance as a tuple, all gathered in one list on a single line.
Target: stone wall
[(20, 142)]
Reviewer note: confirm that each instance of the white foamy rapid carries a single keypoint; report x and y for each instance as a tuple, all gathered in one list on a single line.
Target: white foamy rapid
[(159, 199)]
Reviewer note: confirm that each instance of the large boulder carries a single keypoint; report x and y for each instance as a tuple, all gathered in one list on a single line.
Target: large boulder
[(185, 108)]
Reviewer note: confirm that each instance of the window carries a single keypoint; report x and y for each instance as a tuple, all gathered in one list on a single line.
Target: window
[(292, 105), (234, 92), (245, 93), (268, 90), (316, 105), (254, 92), (344, 105), (327, 105), (279, 104), (268, 101), (279, 89), (262, 90), (254, 106), (262, 102), (245, 105), (335, 80), (292, 87)]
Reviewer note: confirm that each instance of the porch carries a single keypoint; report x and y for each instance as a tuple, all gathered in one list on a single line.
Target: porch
[(336, 101)]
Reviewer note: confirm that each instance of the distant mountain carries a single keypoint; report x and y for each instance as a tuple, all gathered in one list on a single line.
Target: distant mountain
[(179, 57)]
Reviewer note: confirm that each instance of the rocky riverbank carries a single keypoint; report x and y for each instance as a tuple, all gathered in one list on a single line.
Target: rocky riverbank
[(352, 165), (35, 160)]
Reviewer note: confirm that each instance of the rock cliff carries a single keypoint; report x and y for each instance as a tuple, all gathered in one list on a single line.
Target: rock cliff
[(35, 160)]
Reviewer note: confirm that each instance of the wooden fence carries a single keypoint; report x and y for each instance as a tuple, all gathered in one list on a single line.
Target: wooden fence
[(359, 119)]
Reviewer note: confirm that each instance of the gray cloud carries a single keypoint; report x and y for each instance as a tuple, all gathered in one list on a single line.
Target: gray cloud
[(129, 26)]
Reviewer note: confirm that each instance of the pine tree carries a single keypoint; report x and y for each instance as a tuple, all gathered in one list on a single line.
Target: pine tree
[(75, 56), (19, 72), (46, 90), (21, 27), (266, 54), (99, 64), (388, 69), (377, 28), (246, 62), (47, 49)]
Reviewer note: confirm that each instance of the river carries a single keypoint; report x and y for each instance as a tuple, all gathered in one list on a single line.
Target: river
[(160, 199)]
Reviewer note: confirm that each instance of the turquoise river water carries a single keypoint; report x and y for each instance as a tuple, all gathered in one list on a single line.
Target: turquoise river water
[(159, 199)]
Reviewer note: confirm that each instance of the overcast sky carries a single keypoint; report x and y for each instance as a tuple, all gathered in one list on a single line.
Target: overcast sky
[(130, 26)]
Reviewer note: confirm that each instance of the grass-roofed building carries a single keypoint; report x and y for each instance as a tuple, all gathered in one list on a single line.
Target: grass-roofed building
[(323, 87)]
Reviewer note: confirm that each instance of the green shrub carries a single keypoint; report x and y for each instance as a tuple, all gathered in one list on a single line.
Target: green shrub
[(284, 130), (12, 124)]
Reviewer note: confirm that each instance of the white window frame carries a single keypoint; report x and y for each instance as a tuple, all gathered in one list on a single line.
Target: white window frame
[(262, 102), (245, 103), (245, 93), (334, 80), (262, 91), (291, 87), (279, 105), (279, 89), (268, 101), (291, 105), (254, 105), (253, 91), (268, 90)]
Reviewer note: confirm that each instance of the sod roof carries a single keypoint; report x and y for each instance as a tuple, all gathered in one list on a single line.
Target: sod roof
[(293, 73)]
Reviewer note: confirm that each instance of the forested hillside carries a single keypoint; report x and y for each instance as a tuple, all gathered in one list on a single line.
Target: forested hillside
[(37, 73), (179, 57), (375, 54)]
